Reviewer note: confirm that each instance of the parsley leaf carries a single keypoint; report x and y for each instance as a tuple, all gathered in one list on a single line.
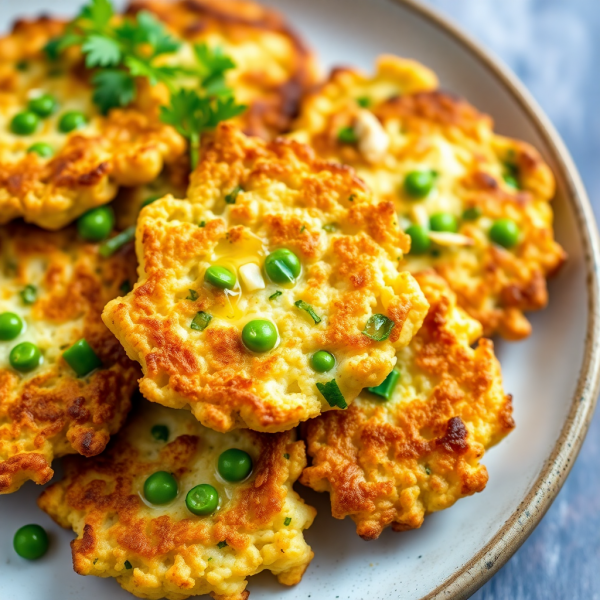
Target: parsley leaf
[(193, 296), (191, 114), (222, 544), (112, 88), (101, 51), (332, 393)]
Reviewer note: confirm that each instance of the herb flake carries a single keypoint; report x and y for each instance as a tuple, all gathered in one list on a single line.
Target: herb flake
[(222, 544), (275, 295), (232, 196), (128, 565), (332, 393), (378, 327), (29, 294), (193, 295), (309, 309), (287, 521), (200, 321)]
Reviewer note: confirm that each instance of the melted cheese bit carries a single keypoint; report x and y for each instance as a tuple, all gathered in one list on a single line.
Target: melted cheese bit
[(251, 277), (444, 238), (373, 141)]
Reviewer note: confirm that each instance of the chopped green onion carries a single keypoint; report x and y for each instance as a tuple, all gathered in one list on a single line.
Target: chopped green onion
[(275, 295), (222, 544), (378, 327), (82, 358), (330, 227), (193, 295), (332, 393), (128, 565), (309, 309), (232, 196), (363, 102), (302, 228), (286, 455), (386, 388), (287, 521), (110, 246), (201, 321), (202, 224), (352, 197), (29, 294)]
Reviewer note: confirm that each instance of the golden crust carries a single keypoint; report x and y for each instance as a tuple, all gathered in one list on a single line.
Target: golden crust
[(287, 198), (392, 462), (426, 128), (170, 552), (130, 147), (50, 412)]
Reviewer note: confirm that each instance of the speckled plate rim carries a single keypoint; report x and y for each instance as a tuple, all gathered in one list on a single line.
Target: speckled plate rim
[(517, 528)]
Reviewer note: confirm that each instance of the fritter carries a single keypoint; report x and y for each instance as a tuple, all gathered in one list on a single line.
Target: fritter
[(476, 203), (300, 246), (167, 551), (56, 288), (391, 462), (127, 147), (130, 147)]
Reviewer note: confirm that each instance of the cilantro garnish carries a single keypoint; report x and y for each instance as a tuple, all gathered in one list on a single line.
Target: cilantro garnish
[(192, 296), (191, 114), (119, 54), (332, 393)]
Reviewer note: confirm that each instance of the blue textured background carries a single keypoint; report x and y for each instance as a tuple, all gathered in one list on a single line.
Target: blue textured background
[(554, 47)]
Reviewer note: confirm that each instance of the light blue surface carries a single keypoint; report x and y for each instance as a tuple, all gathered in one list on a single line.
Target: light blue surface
[(554, 47)]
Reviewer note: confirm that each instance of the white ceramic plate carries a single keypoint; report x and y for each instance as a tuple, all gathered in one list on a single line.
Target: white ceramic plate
[(552, 375)]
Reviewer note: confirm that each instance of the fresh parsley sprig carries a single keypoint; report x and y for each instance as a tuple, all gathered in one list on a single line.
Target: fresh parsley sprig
[(191, 114), (120, 54)]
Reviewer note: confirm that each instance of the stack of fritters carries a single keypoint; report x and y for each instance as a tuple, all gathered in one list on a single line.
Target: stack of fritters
[(325, 291)]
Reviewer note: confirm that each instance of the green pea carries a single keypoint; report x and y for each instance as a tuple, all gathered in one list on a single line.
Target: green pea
[(11, 325), (443, 222), (472, 213), (31, 542), (259, 335), (25, 357), (81, 358), (160, 433), (41, 149), (282, 266), (234, 465), (24, 123), (419, 239), (43, 105), (322, 361), (71, 120), (418, 184), (96, 224), (202, 500), (160, 488), (220, 277), (505, 232)]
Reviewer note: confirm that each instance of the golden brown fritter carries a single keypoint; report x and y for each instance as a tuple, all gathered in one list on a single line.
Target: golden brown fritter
[(50, 411), (392, 462), (129, 147), (402, 122), (284, 198), (166, 551)]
